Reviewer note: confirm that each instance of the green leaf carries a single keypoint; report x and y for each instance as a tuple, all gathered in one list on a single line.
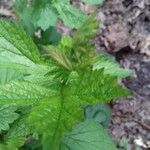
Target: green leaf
[(70, 15), (17, 66), (23, 93), (50, 36), (93, 2), (9, 74), (23, 11), (94, 86), (15, 40), (13, 64), (87, 135), (123, 143), (110, 66), (45, 13), (100, 113), (16, 136), (56, 114), (44, 17), (56, 89), (7, 116), (86, 32)]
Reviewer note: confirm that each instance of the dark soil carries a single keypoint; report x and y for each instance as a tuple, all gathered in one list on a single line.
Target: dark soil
[(125, 33)]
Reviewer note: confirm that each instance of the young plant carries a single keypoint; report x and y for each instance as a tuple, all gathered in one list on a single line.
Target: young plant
[(42, 94)]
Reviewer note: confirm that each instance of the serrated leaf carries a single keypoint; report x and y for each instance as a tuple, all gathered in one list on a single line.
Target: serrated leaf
[(59, 117), (15, 40), (45, 13), (81, 36), (93, 2), (110, 66), (17, 53), (70, 15), (7, 116), (21, 64), (95, 86), (23, 93), (87, 135)]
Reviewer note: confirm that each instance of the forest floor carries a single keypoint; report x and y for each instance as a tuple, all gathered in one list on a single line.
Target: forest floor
[(124, 33)]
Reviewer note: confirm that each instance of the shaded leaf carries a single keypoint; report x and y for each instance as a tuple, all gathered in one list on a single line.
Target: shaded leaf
[(87, 135), (70, 15), (100, 113), (44, 17), (7, 116)]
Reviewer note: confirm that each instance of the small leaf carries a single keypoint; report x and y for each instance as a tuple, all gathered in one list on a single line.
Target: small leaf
[(50, 36), (44, 17), (16, 136), (87, 135), (110, 66), (100, 113), (7, 116), (70, 15), (86, 32)]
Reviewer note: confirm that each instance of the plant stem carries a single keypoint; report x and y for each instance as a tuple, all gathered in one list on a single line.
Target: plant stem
[(55, 143)]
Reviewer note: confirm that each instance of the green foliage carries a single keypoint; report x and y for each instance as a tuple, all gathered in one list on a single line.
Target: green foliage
[(49, 36), (111, 67), (15, 40), (124, 145), (50, 88), (16, 136), (101, 113), (7, 116), (45, 13), (87, 135)]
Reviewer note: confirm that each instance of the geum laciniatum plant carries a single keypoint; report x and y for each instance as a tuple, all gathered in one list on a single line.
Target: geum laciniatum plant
[(43, 92)]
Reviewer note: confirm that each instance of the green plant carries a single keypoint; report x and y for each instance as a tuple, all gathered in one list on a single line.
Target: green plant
[(124, 145), (42, 94), (44, 14)]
